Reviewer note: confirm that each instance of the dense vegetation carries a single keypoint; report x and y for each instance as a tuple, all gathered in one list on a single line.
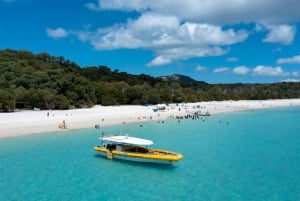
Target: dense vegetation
[(39, 80)]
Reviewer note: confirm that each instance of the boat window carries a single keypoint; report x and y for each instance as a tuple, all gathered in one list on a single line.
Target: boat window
[(111, 146), (118, 148), (138, 149)]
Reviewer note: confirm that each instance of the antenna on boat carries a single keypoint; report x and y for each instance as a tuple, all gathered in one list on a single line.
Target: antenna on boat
[(97, 126)]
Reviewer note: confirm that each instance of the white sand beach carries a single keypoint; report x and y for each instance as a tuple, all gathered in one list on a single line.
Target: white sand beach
[(33, 122)]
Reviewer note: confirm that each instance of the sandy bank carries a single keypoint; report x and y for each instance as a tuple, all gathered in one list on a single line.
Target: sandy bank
[(31, 122)]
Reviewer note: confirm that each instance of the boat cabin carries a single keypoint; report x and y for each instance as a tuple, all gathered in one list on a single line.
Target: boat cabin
[(125, 147)]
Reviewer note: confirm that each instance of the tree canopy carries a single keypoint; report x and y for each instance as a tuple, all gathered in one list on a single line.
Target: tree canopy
[(30, 80)]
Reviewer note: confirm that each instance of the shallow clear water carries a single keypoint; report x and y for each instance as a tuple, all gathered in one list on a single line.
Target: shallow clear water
[(253, 155)]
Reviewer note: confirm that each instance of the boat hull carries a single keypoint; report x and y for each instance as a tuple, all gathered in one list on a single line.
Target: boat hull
[(158, 156)]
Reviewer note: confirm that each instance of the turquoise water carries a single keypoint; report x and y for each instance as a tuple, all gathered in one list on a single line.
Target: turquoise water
[(245, 156)]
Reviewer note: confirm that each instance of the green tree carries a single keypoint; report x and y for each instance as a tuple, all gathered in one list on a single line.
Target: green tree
[(61, 102), (49, 99), (7, 101)]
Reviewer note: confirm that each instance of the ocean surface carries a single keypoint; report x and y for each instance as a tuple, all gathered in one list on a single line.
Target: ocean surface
[(243, 156)]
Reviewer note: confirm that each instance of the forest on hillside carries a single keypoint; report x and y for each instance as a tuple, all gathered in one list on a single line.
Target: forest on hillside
[(43, 81)]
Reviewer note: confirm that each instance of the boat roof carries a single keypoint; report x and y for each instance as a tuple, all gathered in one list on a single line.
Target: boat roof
[(125, 139)]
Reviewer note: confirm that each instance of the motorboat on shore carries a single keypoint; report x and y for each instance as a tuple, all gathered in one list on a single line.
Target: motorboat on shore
[(134, 149)]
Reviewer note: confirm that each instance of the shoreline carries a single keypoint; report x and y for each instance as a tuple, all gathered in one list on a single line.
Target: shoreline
[(30, 122)]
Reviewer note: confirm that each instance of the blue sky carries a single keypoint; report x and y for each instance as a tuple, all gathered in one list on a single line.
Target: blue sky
[(219, 41)]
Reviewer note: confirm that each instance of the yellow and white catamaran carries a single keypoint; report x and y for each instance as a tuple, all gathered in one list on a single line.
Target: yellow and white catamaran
[(134, 149)]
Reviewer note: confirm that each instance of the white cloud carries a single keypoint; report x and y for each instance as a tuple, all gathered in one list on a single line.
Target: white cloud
[(200, 68), (175, 29), (295, 74), (283, 34), (56, 33), (165, 35), (291, 80), (278, 49), (137, 5), (92, 6), (221, 70), (290, 60), (159, 60), (257, 71), (241, 70), (269, 71), (153, 31), (167, 56), (232, 59), (215, 12)]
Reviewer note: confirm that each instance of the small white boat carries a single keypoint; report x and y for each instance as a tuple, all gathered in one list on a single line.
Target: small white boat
[(134, 149)]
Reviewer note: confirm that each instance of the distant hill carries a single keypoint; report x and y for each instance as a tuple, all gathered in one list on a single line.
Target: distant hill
[(180, 78)]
